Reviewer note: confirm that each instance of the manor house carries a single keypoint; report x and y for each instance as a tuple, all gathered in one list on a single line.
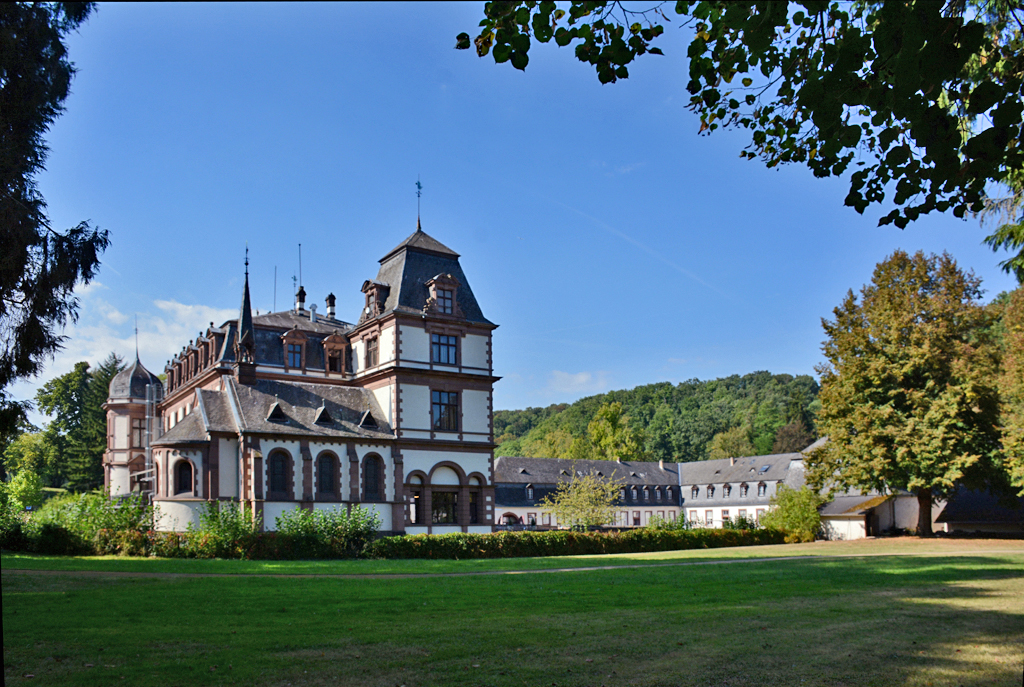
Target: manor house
[(296, 409)]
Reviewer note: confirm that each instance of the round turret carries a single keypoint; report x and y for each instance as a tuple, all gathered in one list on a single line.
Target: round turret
[(131, 382)]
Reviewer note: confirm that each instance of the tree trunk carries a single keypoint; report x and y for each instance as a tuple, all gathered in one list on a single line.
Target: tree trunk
[(924, 513)]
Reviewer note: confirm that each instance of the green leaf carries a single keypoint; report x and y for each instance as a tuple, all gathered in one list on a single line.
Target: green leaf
[(984, 97)]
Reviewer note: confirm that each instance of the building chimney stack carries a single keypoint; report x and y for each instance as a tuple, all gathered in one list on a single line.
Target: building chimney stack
[(330, 306), (312, 312), (300, 300), (661, 463), (732, 460)]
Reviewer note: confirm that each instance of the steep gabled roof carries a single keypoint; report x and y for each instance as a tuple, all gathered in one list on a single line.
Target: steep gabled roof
[(421, 241)]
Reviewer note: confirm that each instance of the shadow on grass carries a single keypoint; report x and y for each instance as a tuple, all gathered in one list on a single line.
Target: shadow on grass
[(878, 621)]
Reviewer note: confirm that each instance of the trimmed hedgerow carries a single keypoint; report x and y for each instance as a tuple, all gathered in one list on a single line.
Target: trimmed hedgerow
[(461, 546)]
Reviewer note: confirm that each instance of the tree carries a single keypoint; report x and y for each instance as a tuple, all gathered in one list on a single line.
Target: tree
[(35, 452), (588, 500), (792, 438), (907, 393), (613, 437), (732, 443), (1011, 387), (39, 265), (795, 512), (889, 88)]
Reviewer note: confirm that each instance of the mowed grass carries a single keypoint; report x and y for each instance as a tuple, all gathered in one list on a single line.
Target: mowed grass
[(875, 620)]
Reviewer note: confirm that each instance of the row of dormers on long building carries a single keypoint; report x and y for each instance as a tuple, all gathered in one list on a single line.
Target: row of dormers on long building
[(708, 492)]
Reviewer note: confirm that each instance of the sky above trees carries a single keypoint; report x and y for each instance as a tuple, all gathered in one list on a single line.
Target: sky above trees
[(613, 245)]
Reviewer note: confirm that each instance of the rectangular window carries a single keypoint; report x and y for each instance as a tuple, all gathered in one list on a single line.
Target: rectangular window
[(295, 356), (725, 515), (742, 513), (636, 518), (446, 301), (415, 508), (138, 430), (444, 506), (445, 410), (474, 508), (693, 516), (661, 514), (647, 517), (372, 356), (760, 514), (671, 516), (443, 349), (545, 519), (334, 361), (531, 519), (709, 517)]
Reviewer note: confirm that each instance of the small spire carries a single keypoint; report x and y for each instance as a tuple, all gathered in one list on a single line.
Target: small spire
[(245, 346), (419, 192), (136, 337)]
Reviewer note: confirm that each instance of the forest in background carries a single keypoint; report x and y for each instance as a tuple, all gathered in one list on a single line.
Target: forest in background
[(753, 414)]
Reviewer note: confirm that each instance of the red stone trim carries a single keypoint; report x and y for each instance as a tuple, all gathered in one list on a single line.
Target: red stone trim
[(213, 469), (307, 470), (353, 473)]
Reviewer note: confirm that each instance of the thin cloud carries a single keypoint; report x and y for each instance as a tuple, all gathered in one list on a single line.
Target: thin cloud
[(577, 383)]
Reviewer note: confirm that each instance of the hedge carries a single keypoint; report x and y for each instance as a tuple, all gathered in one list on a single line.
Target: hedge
[(56, 540), (564, 543)]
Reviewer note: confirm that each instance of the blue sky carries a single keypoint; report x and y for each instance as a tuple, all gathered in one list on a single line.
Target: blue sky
[(612, 244)]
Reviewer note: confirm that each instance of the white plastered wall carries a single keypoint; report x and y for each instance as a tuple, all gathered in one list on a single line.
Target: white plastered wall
[(476, 412), (415, 344), (426, 460), (175, 516), (358, 356), (272, 510), (386, 345), (120, 482), (843, 529), (173, 457), (385, 399), (474, 351), (227, 457), (389, 470), (121, 431), (415, 406)]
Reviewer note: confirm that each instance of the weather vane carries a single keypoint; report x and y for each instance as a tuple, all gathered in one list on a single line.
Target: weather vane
[(247, 258), (419, 192)]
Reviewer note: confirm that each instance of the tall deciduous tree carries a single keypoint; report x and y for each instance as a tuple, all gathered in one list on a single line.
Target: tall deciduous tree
[(39, 265), (613, 437), (908, 397), (1011, 388), (886, 89), (732, 443)]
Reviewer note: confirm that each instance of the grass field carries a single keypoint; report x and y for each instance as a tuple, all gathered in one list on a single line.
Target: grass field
[(953, 615)]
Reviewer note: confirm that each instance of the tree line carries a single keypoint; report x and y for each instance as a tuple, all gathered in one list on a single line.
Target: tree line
[(753, 414), (67, 452)]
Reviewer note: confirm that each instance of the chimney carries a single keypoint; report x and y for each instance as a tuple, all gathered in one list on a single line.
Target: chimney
[(300, 300), (661, 463), (312, 312), (330, 306), (732, 460), (617, 459)]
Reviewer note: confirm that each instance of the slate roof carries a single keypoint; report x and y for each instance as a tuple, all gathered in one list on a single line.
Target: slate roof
[(852, 505), (287, 319), (131, 382), (749, 469), (410, 265), (520, 470), (972, 506), (190, 430), (300, 401)]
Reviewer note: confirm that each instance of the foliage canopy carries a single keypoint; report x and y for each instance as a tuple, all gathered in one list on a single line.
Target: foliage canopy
[(919, 99)]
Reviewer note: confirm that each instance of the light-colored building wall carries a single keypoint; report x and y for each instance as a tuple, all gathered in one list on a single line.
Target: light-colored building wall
[(385, 399), (415, 400), (415, 344), (267, 446), (120, 480), (227, 458), (476, 411), (426, 460), (358, 356), (177, 515), (474, 351), (386, 345), (272, 510)]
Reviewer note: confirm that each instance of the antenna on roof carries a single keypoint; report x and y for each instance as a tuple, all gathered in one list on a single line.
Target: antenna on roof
[(136, 336), (300, 264), (247, 258)]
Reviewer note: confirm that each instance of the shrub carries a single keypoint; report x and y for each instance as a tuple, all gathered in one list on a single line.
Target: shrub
[(326, 533), (225, 531), (82, 517), (795, 513)]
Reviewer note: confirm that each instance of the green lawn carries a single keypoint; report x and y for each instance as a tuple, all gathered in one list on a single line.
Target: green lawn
[(936, 619)]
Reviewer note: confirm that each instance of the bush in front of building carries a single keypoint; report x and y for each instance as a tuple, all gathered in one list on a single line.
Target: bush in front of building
[(72, 524), (327, 532), (461, 546)]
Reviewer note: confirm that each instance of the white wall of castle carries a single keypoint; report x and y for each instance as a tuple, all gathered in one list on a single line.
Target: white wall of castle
[(476, 412), (474, 351), (386, 345), (415, 345), (227, 456), (426, 460), (385, 396)]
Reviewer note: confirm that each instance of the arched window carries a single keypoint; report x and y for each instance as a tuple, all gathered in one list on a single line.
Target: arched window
[(184, 477), (647, 494), (529, 492), (762, 489), (373, 478), (278, 482), (694, 492), (711, 491), (657, 493), (633, 493), (744, 490), (668, 493), (727, 490), (326, 475)]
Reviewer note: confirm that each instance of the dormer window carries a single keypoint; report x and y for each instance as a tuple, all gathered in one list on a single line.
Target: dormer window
[(294, 355), (443, 296), (335, 346), (294, 349), (376, 295), (446, 301)]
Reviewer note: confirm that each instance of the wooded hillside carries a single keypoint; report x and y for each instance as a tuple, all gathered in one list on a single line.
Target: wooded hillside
[(754, 414)]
